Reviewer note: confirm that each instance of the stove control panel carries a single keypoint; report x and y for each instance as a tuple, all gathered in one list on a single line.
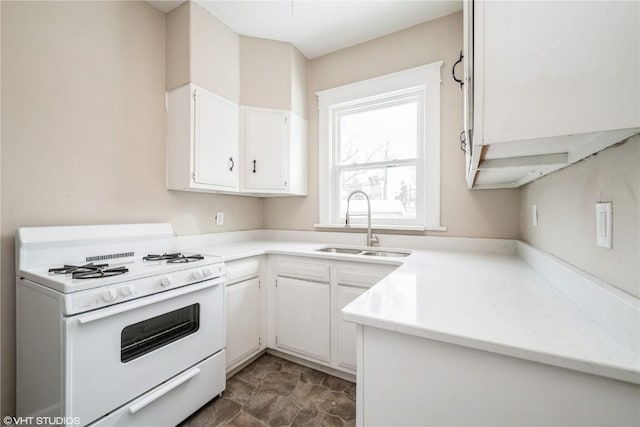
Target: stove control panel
[(91, 299)]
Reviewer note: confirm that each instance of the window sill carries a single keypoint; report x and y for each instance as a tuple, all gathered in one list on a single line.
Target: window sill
[(384, 227)]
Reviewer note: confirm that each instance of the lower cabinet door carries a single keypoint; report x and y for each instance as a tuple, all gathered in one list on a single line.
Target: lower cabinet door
[(243, 320), (347, 330), (303, 320)]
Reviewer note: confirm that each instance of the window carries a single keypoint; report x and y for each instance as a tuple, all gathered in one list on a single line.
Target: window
[(382, 136)]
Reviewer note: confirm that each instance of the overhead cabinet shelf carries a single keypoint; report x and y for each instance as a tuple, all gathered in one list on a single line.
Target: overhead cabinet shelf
[(546, 84)]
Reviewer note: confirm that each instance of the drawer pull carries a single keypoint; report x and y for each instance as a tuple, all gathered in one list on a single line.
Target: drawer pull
[(162, 390)]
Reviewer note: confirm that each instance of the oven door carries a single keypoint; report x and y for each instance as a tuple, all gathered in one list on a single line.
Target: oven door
[(120, 352)]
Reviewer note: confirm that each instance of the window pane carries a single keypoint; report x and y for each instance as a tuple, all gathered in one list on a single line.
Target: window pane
[(392, 191), (385, 133)]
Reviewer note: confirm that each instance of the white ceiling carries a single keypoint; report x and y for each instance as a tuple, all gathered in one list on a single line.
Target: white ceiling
[(318, 27), (165, 5)]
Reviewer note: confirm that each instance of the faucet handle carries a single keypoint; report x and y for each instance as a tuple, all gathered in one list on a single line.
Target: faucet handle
[(374, 240)]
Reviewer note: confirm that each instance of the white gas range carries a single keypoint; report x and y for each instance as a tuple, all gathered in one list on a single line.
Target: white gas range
[(113, 328)]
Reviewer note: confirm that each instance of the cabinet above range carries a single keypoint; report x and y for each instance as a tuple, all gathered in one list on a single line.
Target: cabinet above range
[(209, 149), (211, 145), (546, 84)]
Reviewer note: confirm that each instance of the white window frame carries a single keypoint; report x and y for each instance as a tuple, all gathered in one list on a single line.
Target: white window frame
[(421, 81)]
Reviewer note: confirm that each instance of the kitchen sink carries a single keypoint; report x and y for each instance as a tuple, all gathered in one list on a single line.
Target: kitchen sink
[(356, 251), (385, 253), (340, 250)]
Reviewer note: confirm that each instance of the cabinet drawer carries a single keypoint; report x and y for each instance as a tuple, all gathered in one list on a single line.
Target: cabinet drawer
[(240, 270), (362, 275), (298, 269)]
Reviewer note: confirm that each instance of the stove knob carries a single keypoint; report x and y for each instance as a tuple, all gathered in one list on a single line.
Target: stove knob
[(207, 272), (196, 275), (127, 290), (165, 281), (109, 295)]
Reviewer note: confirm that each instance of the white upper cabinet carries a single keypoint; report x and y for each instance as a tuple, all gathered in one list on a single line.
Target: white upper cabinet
[(553, 82), (202, 141), (274, 152)]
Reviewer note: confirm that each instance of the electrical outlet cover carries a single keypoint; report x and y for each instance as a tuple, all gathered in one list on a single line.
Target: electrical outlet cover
[(604, 224)]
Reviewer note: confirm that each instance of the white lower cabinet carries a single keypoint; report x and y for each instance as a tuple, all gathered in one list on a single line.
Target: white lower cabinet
[(346, 339), (243, 320), (309, 295), (245, 311), (299, 312), (303, 318)]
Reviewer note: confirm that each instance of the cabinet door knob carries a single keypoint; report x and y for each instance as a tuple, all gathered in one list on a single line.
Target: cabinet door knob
[(232, 164), (254, 166)]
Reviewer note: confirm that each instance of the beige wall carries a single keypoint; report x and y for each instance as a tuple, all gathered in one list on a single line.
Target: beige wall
[(273, 74), (475, 214), (83, 136), (299, 69), (203, 50), (265, 73), (215, 54), (178, 49), (566, 214)]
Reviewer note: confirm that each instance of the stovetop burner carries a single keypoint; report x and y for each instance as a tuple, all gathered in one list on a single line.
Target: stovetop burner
[(89, 271), (173, 258), (185, 258), (163, 257)]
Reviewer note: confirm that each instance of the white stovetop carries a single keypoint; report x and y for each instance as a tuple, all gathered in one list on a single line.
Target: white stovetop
[(137, 269), (488, 301)]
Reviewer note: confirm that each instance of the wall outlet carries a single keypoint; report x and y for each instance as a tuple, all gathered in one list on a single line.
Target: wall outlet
[(220, 218), (604, 224), (534, 215)]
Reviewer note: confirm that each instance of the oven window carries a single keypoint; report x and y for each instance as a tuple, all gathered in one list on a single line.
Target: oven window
[(146, 336)]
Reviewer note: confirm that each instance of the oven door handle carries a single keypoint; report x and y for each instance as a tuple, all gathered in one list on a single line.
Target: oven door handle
[(141, 302), (162, 390)]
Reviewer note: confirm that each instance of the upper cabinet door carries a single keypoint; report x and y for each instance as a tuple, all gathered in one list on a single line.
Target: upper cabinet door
[(467, 88), (202, 141), (266, 149), (553, 83), (553, 68), (216, 141)]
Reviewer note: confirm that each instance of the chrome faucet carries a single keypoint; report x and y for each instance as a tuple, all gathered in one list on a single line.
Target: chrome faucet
[(371, 238)]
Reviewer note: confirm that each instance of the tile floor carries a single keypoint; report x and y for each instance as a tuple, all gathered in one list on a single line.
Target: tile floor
[(274, 392)]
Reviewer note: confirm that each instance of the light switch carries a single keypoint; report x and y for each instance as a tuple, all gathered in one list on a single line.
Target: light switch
[(604, 224), (534, 215)]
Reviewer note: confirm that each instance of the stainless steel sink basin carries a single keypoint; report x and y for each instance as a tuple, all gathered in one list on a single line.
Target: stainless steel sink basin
[(356, 251), (340, 250), (385, 253)]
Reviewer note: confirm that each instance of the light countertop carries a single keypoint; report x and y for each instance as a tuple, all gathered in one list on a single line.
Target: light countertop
[(488, 301)]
